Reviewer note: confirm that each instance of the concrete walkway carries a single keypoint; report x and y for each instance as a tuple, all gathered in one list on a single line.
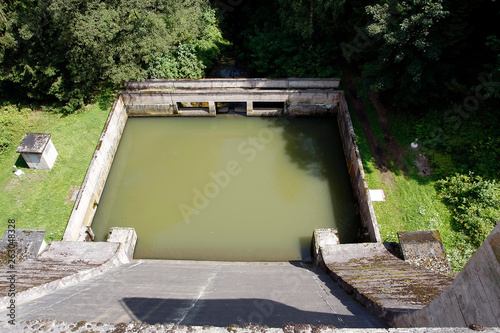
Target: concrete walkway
[(383, 283), (204, 293)]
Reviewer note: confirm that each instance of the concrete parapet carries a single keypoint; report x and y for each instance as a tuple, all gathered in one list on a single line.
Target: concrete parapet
[(95, 179), (145, 110), (384, 284), (323, 237), (21, 244), (127, 237), (424, 248), (62, 264), (474, 296), (356, 172), (54, 326), (296, 101), (289, 83)]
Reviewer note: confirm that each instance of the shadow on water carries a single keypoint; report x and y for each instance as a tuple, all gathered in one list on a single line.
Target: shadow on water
[(315, 146)]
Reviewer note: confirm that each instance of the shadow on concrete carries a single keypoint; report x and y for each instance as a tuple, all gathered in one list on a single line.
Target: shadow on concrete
[(362, 316), (225, 312), (315, 146)]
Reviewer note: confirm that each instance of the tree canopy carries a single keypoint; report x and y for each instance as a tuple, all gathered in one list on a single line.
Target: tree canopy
[(60, 50)]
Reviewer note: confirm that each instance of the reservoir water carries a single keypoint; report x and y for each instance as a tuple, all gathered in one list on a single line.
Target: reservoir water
[(228, 188)]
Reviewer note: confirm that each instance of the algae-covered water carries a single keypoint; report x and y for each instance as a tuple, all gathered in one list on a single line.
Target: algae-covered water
[(228, 188)]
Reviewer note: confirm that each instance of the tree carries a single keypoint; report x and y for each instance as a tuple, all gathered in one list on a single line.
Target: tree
[(66, 48), (294, 38), (405, 36)]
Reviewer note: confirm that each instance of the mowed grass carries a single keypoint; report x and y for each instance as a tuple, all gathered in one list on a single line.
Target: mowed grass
[(412, 202), (38, 199)]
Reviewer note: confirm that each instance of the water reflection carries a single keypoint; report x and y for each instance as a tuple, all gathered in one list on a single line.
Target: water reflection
[(228, 188)]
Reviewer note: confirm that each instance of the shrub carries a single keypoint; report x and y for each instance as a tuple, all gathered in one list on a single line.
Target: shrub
[(12, 123), (475, 205)]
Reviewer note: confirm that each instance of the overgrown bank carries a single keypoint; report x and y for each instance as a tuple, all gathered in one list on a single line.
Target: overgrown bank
[(435, 68)]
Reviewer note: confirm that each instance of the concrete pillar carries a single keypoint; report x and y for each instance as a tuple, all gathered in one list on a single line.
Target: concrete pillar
[(249, 108), (175, 109), (211, 108)]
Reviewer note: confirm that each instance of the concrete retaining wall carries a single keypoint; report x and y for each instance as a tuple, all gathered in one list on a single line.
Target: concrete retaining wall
[(473, 297), (240, 83), (356, 172), (300, 97), (95, 179)]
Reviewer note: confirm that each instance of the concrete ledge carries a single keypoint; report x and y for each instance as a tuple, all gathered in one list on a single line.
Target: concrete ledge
[(80, 327), (127, 237), (384, 284), (64, 264), (289, 83), (474, 296), (97, 173), (265, 113), (357, 173), (323, 237)]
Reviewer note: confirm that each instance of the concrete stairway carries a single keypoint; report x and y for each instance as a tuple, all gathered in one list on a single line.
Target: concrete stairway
[(383, 283)]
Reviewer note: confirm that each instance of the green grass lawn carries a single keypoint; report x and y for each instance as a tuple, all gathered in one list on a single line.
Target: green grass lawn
[(412, 202), (38, 199)]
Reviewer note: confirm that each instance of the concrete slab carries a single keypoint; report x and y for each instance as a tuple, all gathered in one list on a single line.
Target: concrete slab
[(86, 327), (323, 237), (25, 244), (424, 248), (383, 283), (377, 195), (205, 293)]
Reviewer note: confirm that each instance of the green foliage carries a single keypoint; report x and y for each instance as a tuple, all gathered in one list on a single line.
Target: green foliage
[(64, 49), (458, 140), (293, 39), (493, 69), (180, 63), (281, 53), (475, 203), (405, 36), (12, 122)]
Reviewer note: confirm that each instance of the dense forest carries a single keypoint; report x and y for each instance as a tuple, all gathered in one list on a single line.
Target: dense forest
[(65, 50), (436, 63)]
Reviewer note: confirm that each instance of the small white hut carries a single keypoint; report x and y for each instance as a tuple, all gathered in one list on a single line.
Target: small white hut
[(38, 151)]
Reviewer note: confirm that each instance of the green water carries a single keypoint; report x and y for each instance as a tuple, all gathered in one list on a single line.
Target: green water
[(228, 188)]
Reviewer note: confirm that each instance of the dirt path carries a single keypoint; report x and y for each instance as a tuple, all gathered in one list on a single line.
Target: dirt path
[(395, 151), (358, 108)]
